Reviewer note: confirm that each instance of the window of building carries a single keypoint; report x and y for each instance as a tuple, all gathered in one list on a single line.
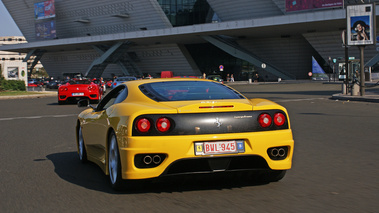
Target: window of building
[(186, 12)]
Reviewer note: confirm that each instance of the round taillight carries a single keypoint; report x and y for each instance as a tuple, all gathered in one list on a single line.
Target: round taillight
[(279, 119), (264, 120), (143, 125), (163, 124), (63, 89)]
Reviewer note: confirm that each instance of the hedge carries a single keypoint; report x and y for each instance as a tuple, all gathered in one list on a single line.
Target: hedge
[(12, 85)]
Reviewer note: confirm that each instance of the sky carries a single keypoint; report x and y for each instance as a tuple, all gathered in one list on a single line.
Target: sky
[(7, 26)]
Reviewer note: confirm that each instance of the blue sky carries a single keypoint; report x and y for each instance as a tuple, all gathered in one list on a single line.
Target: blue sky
[(7, 26)]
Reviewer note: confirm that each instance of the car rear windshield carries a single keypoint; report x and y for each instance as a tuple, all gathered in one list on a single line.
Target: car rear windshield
[(79, 82), (188, 90)]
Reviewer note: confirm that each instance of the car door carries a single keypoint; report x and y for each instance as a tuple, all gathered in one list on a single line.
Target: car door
[(96, 126)]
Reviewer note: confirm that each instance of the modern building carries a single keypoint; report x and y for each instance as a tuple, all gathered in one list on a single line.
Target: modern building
[(12, 66), (274, 38)]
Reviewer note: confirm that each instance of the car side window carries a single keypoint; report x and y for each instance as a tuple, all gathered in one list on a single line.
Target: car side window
[(111, 98), (122, 96)]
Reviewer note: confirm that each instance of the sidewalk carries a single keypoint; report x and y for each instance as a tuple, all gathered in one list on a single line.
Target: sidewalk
[(371, 94), (41, 95)]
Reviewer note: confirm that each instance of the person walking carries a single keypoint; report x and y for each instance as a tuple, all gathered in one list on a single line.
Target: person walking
[(231, 78)]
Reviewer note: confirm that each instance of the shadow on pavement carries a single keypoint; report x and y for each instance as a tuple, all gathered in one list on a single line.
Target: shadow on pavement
[(68, 167)]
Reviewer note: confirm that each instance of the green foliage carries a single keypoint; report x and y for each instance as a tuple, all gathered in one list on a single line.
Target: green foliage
[(12, 85), (17, 85)]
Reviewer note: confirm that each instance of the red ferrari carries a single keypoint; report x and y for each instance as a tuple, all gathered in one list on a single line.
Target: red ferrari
[(75, 90)]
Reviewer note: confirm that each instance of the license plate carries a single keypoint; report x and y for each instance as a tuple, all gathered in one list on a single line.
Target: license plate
[(77, 94), (219, 147)]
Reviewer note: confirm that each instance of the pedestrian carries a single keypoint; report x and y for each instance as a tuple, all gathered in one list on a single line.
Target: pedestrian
[(256, 77), (231, 78)]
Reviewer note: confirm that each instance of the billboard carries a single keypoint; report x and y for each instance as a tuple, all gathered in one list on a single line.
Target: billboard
[(44, 10), (12, 73), (45, 30), (298, 5), (360, 24)]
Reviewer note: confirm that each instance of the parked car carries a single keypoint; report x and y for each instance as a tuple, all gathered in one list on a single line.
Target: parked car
[(215, 78), (108, 83), (76, 89), (123, 79), (32, 83), (54, 84), (152, 128)]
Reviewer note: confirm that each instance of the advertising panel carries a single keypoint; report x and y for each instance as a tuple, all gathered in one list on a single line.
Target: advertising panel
[(45, 30), (44, 10), (12, 73), (298, 5), (360, 24)]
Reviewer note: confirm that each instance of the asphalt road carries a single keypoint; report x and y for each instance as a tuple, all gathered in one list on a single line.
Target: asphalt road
[(334, 167)]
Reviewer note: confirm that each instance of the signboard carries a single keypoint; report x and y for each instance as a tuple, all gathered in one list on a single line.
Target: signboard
[(43, 10), (221, 67), (45, 30), (12, 73), (360, 24), (298, 5)]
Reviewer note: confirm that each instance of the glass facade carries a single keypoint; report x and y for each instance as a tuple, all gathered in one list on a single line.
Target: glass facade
[(209, 58), (186, 12)]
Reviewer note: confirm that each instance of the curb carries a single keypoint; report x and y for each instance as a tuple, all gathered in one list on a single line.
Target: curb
[(366, 98)]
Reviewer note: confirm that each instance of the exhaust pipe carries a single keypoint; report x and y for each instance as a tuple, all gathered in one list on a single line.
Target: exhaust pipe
[(157, 159), (281, 152), (274, 152), (277, 153), (147, 159)]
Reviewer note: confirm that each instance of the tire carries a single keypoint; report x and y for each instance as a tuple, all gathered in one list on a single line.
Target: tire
[(114, 163), (81, 147)]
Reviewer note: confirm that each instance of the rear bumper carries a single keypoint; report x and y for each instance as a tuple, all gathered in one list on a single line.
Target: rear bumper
[(66, 97), (180, 158)]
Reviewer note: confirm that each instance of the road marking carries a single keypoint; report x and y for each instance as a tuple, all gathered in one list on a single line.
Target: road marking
[(302, 99), (37, 117)]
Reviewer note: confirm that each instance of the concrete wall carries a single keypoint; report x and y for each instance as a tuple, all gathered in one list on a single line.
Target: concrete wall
[(14, 70)]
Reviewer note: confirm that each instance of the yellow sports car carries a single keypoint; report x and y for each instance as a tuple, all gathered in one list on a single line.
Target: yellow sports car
[(152, 128)]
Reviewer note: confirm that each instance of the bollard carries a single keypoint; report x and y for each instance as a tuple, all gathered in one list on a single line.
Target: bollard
[(355, 90), (343, 89)]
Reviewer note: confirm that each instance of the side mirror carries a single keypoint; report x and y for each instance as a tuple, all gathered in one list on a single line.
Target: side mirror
[(83, 103)]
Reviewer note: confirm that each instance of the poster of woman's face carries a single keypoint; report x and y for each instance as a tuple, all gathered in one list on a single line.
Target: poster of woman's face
[(360, 24), (360, 28)]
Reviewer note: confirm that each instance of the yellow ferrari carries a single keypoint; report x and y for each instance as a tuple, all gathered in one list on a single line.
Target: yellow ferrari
[(152, 128)]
